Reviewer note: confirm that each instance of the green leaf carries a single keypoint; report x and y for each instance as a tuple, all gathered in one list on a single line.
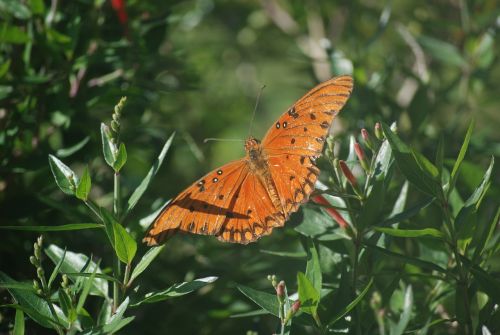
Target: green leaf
[(56, 270), (461, 156), (440, 155), (109, 148), (409, 259), (371, 211), (465, 222), (64, 176), (4, 68), (267, 301), (480, 191), (426, 165), (406, 314), (352, 304), (30, 303), (483, 235), (84, 185), (66, 305), (313, 268), (109, 223), (74, 262), (442, 51), (121, 158), (487, 283), (19, 323), (37, 6), (418, 170), (125, 246), (308, 295), (410, 232), (143, 264), (66, 152), (116, 322), (66, 227), (86, 289), (383, 161), (409, 213), (289, 254), (13, 35), (139, 191), (15, 8), (175, 290)]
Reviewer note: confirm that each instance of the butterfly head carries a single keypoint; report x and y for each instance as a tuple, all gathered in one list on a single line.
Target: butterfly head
[(252, 147)]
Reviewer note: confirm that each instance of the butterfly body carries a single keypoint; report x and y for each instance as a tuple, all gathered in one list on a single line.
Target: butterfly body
[(245, 199)]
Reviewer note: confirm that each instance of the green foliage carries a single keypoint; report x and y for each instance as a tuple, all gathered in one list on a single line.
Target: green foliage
[(412, 248)]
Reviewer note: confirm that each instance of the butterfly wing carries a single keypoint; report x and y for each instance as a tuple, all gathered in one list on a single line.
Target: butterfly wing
[(297, 138), (202, 207), (229, 202)]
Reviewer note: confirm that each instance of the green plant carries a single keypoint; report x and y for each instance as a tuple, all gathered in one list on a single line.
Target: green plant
[(66, 308), (363, 219)]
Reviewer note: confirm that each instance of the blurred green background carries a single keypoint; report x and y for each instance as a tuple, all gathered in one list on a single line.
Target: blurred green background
[(196, 68)]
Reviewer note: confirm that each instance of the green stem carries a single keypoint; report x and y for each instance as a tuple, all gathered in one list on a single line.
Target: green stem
[(463, 280), (126, 277), (117, 265), (357, 245), (46, 295), (94, 208)]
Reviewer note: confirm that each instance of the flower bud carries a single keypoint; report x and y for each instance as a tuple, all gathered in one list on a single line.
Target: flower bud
[(348, 174), (36, 286), (40, 273), (319, 199), (367, 139), (37, 251), (34, 261), (39, 240), (361, 157), (296, 306), (378, 131), (280, 289)]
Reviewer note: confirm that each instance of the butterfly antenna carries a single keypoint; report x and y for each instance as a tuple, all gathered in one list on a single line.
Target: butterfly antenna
[(208, 139), (255, 109)]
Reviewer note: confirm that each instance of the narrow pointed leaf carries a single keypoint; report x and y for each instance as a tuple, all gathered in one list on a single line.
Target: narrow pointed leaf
[(267, 301), (143, 264), (461, 156), (139, 191), (75, 262), (410, 232), (352, 304), (66, 227), (175, 290)]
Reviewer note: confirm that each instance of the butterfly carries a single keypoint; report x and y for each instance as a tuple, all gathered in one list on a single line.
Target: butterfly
[(245, 199)]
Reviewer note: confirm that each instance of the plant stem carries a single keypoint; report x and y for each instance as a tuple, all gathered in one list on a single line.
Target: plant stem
[(117, 264), (357, 245), (462, 281), (126, 277), (46, 295)]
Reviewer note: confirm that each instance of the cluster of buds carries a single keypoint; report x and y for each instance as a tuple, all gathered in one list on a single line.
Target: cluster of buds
[(369, 143), (36, 260), (115, 123)]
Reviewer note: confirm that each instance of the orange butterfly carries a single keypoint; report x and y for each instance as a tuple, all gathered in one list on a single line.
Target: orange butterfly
[(245, 199)]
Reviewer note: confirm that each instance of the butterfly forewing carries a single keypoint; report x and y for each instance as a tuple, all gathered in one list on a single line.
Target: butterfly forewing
[(302, 129), (297, 139)]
